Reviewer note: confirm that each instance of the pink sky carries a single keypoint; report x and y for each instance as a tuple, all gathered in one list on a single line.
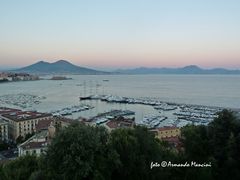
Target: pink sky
[(116, 34)]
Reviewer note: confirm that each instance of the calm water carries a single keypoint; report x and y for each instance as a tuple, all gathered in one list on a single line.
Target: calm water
[(211, 90)]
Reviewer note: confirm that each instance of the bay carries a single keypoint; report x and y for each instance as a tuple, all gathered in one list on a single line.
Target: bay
[(209, 90)]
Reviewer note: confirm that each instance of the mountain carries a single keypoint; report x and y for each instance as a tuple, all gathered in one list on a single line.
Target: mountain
[(65, 67), (192, 69), (59, 67)]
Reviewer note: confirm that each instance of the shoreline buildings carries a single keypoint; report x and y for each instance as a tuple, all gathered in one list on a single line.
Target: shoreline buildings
[(9, 77), (21, 123)]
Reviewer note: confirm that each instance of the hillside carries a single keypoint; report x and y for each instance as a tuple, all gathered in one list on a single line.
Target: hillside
[(192, 69), (59, 67)]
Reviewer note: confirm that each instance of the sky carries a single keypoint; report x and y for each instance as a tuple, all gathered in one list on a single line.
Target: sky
[(121, 33)]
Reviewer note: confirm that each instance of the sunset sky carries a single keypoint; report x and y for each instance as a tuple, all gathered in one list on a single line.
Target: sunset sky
[(121, 33)]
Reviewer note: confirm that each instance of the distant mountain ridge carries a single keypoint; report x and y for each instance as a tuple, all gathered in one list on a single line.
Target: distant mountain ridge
[(65, 67), (191, 69), (58, 67)]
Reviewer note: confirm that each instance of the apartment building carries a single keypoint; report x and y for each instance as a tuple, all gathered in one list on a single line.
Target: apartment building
[(167, 132), (21, 123), (3, 130)]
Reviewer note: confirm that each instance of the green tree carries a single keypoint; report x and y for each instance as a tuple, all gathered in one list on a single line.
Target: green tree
[(80, 152), (217, 143), (196, 142), (137, 148), (19, 169), (196, 145), (224, 142), (84, 152)]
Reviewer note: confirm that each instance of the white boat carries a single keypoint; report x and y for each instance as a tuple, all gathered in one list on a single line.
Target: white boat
[(101, 120)]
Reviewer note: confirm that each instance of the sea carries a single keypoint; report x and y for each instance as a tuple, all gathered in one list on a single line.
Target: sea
[(208, 90)]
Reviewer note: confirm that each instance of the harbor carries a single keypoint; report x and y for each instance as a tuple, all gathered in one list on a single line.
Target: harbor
[(88, 98), (71, 110), (150, 112), (165, 113), (110, 115), (21, 100)]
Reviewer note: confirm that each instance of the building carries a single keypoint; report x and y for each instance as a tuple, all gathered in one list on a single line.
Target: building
[(174, 142), (4, 110), (3, 130), (36, 145), (166, 132), (62, 121), (170, 135), (119, 122), (21, 123), (45, 131), (44, 124), (8, 76), (4, 77)]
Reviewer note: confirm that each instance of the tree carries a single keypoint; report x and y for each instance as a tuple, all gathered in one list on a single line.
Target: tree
[(224, 142), (19, 169), (196, 142), (137, 148), (217, 143), (79, 152), (84, 152)]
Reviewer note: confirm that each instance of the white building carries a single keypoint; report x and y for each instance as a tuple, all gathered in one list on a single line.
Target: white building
[(36, 145), (21, 123), (3, 130)]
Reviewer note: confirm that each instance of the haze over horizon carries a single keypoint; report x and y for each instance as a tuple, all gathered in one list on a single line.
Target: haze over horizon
[(121, 34)]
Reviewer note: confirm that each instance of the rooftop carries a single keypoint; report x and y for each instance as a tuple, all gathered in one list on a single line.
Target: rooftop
[(44, 124), (34, 145), (2, 121), (112, 124), (166, 128), (4, 110), (120, 122), (40, 136), (37, 141), (64, 120), (25, 115)]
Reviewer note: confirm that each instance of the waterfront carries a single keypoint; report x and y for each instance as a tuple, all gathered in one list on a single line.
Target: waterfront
[(209, 90)]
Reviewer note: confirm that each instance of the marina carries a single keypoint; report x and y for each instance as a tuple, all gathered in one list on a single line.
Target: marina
[(161, 114), (113, 114), (164, 97), (152, 121), (70, 110), (169, 114), (21, 100)]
